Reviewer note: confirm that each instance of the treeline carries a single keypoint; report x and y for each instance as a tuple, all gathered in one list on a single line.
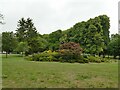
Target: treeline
[(92, 35)]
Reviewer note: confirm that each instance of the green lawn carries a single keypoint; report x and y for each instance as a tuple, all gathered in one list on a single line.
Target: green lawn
[(19, 73)]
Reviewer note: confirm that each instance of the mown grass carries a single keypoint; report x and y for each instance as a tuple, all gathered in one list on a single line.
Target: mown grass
[(20, 73)]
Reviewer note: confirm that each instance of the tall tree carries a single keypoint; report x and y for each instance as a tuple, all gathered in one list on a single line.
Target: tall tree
[(21, 30), (26, 31)]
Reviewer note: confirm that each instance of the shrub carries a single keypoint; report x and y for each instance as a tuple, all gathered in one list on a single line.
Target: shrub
[(85, 56), (102, 60), (35, 57), (29, 58), (81, 61), (70, 51), (86, 60), (71, 61), (81, 57), (45, 56), (98, 61), (92, 59)]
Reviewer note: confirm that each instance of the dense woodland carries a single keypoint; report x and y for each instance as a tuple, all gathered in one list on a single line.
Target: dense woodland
[(89, 37)]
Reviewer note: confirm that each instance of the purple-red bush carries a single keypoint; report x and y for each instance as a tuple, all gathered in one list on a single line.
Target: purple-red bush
[(70, 50)]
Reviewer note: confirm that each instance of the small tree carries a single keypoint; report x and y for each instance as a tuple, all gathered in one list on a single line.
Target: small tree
[(22, 47), (8, 42)]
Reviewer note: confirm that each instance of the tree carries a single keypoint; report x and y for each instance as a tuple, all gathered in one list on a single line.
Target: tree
[(21, 30), (105, 23), (92, 35), (8, 42), (94, 40), (1, 19), (26, 31), (114, 45), (37, 45), (22, 47), (54, 39)]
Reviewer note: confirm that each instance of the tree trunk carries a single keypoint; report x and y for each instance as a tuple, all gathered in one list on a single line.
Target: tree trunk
[(108, 55), (6, 54), (114, 56), (99, 54), (103, 55)]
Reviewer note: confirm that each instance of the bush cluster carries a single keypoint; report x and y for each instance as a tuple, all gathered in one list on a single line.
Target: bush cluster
[(45, 56), (57, 57)]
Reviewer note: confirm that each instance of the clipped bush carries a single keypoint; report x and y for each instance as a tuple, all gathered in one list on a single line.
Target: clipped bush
[(70, 51)]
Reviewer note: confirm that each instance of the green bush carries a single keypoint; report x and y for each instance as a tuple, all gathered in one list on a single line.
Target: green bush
[(71, 61), (81, 57), (45, 56), (102, 59), (29, 58), (35, 57), (92, 59), (85, 56), (98, 60), (81, 61), (86, 60)]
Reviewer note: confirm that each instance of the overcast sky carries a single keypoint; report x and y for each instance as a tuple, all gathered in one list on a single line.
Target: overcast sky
[(51, 15)]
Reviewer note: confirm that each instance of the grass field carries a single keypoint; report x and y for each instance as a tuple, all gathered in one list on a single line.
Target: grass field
[(19, 73)]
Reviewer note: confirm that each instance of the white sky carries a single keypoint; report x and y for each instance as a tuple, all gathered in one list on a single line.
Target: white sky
[(51, 15)]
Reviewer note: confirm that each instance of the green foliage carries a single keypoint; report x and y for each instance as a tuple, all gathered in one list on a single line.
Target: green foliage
[(83, 59), (94, 59), (45, 56), (22, 47), (114, 45), (54, 40), (93, 35), (26, 32), (86, 60)]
